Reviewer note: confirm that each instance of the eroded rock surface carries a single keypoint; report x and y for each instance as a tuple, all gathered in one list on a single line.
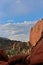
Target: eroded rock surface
[(36, 32)]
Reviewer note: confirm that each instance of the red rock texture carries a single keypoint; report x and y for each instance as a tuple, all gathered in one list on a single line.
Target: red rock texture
[(35, 32), (3, 56), (3, 63), (17, 60), (36, 57)]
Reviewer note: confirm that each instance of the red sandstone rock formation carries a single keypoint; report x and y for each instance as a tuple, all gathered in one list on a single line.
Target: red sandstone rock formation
[(17, 60), (37, 53), (3, 63), (3, 56), (35, 32)]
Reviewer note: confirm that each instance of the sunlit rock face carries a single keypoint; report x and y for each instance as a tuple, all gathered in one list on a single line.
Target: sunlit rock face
[(36, 32)]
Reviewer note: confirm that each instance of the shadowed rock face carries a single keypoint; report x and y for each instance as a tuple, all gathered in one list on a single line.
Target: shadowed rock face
[(3, 63), (17, 60), (37, 53), (36, 32), (3, 56)]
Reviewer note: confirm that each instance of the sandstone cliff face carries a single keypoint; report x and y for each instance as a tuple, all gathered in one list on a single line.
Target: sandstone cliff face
[(36, 32)]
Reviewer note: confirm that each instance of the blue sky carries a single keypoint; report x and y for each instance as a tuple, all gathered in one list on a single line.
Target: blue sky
[(19, 12)]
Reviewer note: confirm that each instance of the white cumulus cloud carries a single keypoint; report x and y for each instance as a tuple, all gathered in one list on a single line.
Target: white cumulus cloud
[(16, 31)]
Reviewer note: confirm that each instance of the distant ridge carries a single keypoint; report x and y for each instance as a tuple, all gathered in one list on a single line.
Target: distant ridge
[(6, 43)]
